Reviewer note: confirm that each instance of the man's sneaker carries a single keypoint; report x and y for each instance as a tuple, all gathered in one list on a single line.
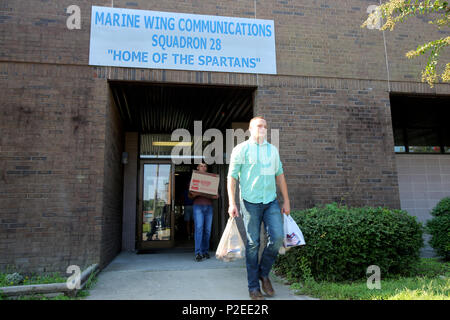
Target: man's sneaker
[(198, 258), (206, 256)]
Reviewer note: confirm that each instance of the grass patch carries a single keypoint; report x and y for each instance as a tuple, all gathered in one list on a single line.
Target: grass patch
[(46, 279), (431, 282), (90, 282), (400, 289), (42, 297), (33, 279)]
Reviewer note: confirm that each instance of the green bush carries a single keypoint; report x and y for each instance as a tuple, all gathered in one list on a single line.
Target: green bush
[(442, 208), (341, 242), (439, 228)]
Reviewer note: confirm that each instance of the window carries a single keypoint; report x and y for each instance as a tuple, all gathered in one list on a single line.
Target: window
[(421, 123)]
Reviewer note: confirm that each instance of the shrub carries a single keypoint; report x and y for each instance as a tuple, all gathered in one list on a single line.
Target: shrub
[(341, 242), (14, 279), (439, 228), (442, 208)]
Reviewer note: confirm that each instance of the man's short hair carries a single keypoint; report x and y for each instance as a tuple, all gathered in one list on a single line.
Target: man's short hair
[(203, 162), (255, 118)]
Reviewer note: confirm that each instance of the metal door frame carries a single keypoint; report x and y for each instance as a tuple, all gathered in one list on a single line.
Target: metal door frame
[(140, 244)]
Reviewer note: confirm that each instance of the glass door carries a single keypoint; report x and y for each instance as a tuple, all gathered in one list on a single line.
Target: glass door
[(155, 213)]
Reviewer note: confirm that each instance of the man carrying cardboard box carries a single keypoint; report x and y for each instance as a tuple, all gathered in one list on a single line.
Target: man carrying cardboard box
[(256, 164), (203, 214)]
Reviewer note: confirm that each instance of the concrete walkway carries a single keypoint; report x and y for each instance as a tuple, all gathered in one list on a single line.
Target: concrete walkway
[(175, 275)]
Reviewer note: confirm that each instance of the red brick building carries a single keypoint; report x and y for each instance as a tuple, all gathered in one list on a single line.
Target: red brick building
[(342, 99)]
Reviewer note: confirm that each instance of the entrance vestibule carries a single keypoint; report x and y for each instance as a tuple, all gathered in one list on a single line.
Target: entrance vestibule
[(153, 184)]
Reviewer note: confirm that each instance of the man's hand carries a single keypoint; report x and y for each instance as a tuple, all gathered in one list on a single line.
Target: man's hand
[(192, 194), (233, 211), (286, 209)]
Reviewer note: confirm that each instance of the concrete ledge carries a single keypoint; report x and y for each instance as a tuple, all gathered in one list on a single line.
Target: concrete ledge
[(48, 288)]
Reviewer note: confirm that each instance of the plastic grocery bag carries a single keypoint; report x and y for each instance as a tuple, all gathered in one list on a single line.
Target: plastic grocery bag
[(231, 246), (293, 236)]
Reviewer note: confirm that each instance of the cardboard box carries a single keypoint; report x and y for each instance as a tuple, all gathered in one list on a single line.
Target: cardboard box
[(204, 182)]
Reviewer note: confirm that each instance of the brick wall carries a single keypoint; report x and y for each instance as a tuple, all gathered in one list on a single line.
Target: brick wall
[(111, 242), (317, 38), (61, 139), (51, 167), (335, 139)]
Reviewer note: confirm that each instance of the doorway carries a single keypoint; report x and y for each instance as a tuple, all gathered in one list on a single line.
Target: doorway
[(151, 112), (184, 223), (163, 217), (156, 205), (164, 220)]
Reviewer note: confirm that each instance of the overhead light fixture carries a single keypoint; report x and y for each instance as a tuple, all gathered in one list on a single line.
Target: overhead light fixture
[(171, 144)]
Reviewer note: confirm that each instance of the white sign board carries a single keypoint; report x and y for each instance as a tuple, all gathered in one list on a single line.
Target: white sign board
[(164, 40)]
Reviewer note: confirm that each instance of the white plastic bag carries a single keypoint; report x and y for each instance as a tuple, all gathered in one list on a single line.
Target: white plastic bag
[(231, 246), (293, 236)]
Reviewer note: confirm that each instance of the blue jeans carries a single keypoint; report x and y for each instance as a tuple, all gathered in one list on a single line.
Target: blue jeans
[(203, 215), (253, 215)]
